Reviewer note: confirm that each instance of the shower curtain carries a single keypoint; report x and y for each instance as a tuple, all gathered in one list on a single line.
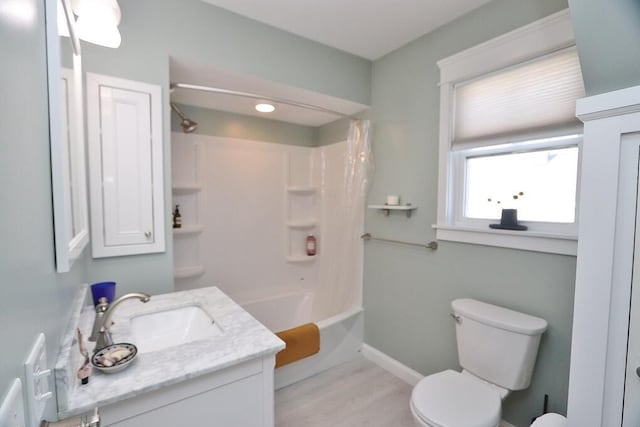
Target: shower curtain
[(343, 243)]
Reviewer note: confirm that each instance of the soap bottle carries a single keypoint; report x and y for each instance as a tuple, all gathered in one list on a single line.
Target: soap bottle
[(177, 218), (311, 245)]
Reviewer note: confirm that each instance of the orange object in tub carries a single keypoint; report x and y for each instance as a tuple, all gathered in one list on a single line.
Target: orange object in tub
[(301, 341)]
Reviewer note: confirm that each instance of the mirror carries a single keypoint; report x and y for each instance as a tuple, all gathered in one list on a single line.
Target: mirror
[(66, 133)]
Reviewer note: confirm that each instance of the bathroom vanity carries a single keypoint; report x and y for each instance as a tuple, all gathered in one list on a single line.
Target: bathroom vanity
[(218, 376)]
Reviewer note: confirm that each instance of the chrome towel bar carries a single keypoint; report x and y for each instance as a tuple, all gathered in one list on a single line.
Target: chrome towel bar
[(431, 245)]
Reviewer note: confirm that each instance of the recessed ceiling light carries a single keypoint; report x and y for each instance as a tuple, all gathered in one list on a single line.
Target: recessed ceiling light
[(265, 108)]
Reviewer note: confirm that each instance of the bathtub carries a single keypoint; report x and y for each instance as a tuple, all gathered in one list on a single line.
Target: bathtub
[(341, 335)]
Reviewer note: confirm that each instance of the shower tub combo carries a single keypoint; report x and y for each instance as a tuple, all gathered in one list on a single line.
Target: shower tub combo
[(321, 193), (341, 335)]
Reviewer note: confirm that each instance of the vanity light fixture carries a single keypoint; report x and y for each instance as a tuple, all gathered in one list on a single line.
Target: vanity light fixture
[(18, 12), (98, 21), (263, 107)]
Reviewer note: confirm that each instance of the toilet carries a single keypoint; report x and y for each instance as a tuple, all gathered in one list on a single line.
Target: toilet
[(550, 420), (497, 350)]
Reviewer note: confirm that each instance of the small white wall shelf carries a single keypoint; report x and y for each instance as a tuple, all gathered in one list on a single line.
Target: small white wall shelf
[(300, 259), (301, 225), (408, 208), (186, 188), (188, 229), (302, 190), (301, 207), (188, 272)]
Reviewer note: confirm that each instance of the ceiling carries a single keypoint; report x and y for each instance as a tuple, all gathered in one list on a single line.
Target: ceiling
[(366, 28)]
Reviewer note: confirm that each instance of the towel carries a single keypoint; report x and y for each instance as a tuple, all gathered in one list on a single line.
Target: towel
[(302, 341)]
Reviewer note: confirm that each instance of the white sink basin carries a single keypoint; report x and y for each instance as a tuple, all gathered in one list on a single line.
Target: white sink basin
[(169, 328)]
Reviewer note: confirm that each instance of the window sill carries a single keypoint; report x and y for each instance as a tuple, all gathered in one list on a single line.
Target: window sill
[(552, 243)]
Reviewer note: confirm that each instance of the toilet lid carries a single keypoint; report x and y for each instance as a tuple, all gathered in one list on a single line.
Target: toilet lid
[(450, 399)]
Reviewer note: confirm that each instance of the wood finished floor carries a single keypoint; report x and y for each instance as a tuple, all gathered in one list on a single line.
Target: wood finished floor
[(357, 393)]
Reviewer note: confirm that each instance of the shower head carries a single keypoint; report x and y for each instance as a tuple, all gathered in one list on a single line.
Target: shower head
[(187, 125)]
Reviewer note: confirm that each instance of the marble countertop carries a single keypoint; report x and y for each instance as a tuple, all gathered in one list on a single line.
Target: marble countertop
[(243, 339)]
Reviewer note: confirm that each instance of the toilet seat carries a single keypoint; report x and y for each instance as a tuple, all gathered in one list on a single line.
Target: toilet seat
[(450, 399)]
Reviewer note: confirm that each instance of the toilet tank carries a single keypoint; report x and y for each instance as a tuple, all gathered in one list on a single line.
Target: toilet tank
[(497, 344)]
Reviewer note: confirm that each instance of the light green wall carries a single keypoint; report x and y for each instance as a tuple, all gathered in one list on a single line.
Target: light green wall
[(333, 132), (607, 36), (220, 123), (154, 30), (407, 292), (195, 31), (33, 297)]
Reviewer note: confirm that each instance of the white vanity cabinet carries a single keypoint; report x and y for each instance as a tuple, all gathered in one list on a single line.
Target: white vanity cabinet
[(223, 379), (240, 396), (124, 121)]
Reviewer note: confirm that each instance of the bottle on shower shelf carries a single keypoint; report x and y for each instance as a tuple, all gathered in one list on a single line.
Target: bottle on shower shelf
[(177, 217), (311, 245)]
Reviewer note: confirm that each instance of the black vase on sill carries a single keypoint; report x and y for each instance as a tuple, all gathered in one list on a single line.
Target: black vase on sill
[(509, 221)]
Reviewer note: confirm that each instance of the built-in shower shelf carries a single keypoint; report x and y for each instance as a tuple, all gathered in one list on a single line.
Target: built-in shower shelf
[(408, 208), (187, 188), (301, 225), (300, 259), (302, 190), (188, 229), (188, 272)]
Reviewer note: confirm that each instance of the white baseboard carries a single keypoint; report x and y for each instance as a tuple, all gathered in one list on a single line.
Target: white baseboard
[(401, 371)]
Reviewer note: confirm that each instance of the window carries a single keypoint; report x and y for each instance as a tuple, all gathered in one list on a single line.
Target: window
[(538, 178), (509, 139)]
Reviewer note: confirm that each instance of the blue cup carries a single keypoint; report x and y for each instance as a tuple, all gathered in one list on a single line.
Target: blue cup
[(103, 289)]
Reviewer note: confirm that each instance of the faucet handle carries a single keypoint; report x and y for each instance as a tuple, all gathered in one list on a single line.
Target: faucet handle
[(103, 305)]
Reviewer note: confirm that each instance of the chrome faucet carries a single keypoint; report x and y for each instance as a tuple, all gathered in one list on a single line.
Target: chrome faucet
[(104, 335), (102, 306)]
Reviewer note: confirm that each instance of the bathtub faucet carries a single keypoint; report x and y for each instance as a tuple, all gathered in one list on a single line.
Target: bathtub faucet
[(104, 322)]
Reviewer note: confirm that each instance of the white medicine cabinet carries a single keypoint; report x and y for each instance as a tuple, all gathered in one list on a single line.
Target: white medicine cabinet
[(126, 166), (66, 129)]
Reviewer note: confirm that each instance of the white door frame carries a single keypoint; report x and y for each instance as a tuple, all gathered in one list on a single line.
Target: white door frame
[(629, 172), (604, 264)]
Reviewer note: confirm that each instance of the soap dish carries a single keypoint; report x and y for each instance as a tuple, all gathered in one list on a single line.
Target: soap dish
[(114, 358)]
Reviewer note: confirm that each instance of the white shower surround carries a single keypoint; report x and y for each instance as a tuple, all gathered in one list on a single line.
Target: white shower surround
[(255, 205)]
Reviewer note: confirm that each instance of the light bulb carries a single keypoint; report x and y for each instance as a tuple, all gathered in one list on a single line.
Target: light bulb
[(265, 108)]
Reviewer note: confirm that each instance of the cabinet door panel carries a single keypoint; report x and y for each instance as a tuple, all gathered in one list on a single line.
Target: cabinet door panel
[(125, 157), (239, 404), (126, 169)]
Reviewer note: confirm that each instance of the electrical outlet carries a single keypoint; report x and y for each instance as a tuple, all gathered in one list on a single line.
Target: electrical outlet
[(37, 381), (12, 408)]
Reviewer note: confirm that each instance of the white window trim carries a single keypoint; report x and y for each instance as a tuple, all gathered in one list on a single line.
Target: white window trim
[(536, 39)]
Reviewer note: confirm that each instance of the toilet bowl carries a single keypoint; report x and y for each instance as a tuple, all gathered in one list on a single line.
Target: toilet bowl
[(451, 398), (550, 420), (497, 350)]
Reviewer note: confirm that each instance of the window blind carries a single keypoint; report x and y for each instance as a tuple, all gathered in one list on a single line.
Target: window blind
[(534, 96)]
